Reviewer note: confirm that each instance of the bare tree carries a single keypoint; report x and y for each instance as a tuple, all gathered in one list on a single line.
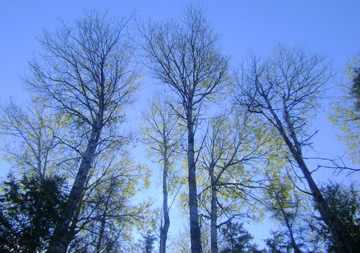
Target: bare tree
[(186, 56), (160, 130), (84, 74), (285, 89)]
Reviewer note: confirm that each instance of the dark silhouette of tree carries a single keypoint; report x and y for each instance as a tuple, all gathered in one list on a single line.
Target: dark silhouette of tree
[(84, 74), (355, 87), (237, 239), (148, 242), (345, 203), (30, 208), (285, 89), (186, 56)]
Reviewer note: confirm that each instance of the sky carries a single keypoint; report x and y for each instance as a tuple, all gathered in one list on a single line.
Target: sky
[(328, 27)]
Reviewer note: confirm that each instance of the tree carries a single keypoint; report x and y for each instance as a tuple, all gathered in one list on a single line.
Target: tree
[(160, 130), (84, 74), (148, 242), (33, 138), (345, 202), (285, 207), (29, 212), (237, 239), (354, 76), (105, 217), (231, 144), (285, 89), (345, 112), (187, 58)]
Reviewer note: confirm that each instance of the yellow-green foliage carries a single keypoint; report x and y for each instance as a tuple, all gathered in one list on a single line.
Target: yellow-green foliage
[(346, 117)]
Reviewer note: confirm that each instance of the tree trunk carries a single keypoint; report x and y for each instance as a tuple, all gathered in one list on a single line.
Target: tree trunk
[(75, 220), (59, 240), (213, 216), (195, 234), (165, 228), (325, 211)]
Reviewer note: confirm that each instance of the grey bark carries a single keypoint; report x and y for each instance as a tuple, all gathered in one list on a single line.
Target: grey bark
[(60, 240), (193, 199), (222, 152), (213, 217), (286, 217), (165, 227)]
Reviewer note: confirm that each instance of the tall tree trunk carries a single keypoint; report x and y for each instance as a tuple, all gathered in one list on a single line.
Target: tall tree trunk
[(75, 219), (213, 216), (59, 240), (165, 228), (326, 213), (195, 233)]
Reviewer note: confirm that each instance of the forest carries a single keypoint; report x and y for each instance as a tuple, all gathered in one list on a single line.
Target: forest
[(228, 145)]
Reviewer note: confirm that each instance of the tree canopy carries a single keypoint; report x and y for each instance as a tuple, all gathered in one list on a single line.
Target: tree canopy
[(232, 148)]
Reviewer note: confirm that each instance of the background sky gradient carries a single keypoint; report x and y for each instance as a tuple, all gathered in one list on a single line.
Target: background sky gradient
[(328, 27)]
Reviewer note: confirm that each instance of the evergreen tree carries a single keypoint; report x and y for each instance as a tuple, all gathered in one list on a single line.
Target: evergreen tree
[(237, 239), (148, 242), (30, 208), (345, 202)]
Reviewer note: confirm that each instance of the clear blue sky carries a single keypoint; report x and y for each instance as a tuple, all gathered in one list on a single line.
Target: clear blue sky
[(330, 27)]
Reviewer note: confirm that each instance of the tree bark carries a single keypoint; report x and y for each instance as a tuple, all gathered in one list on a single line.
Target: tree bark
[(326, 213), (59, 241), (295, 148), (165, 227), (213, 217), (195, 233)]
